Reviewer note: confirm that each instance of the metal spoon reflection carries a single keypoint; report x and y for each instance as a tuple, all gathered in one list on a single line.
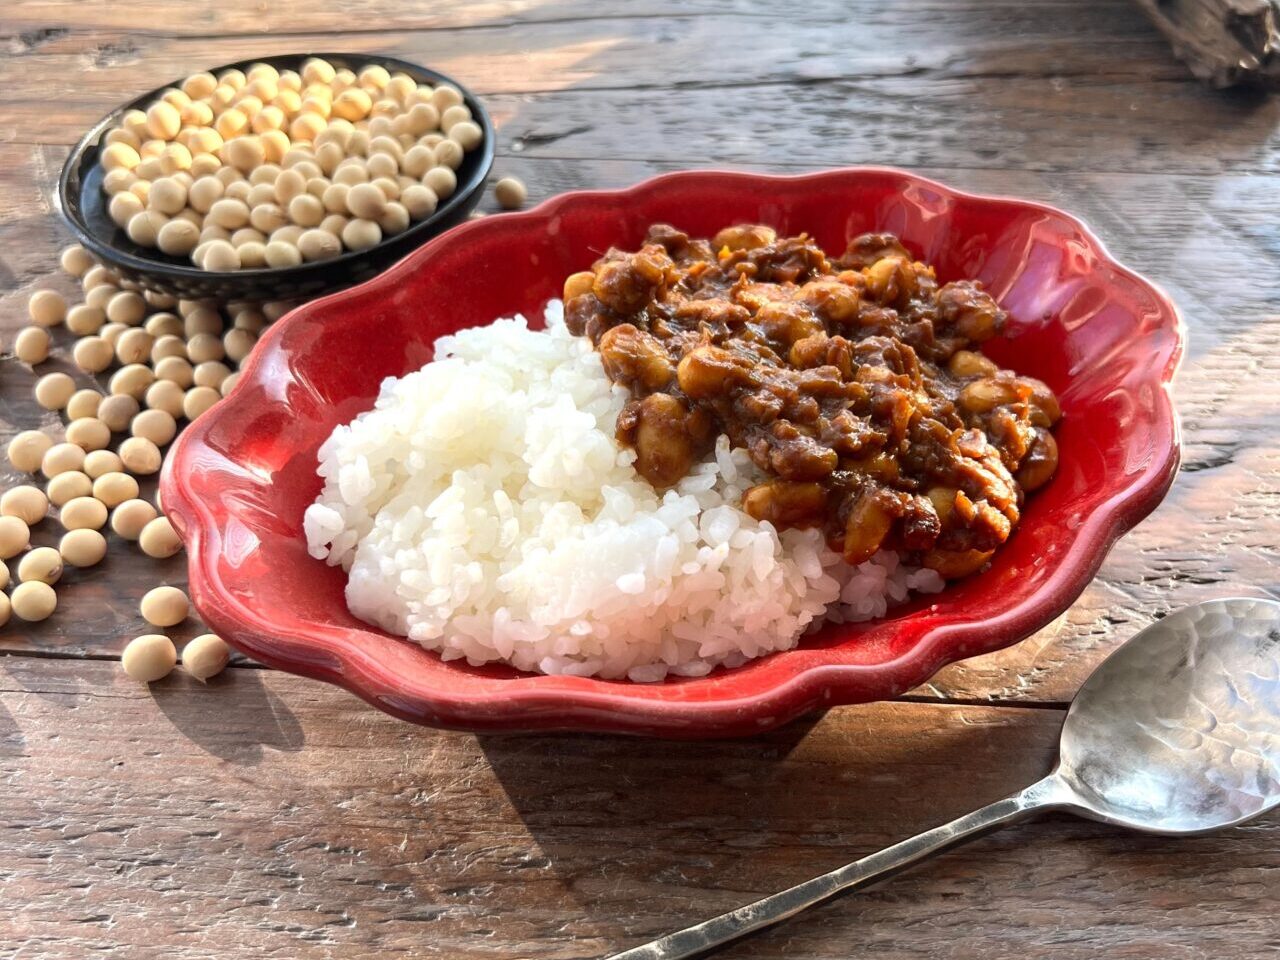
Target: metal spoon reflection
[(1176, 733)]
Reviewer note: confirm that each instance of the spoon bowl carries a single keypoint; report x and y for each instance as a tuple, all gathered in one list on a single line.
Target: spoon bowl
[(1178, 732)]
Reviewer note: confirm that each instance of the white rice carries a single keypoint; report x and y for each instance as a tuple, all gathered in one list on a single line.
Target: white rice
[(484, 509)]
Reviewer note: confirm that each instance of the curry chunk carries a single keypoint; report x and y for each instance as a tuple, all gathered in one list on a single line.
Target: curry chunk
[(627, 282), (970, 310), (632, 357), (891, 281), (706, 372), (664, 439), (787, 503), (786, 321), (746, 236), (869, 248), (832, 300), (870, 520)]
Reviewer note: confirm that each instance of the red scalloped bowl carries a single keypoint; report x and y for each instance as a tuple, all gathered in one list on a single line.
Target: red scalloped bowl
[(240, 477)]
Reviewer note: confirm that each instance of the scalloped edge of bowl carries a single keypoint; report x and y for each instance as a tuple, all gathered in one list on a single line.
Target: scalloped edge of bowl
[(542, 705)]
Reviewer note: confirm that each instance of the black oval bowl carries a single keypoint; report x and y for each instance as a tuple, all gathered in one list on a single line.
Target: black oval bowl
[(84, 205)]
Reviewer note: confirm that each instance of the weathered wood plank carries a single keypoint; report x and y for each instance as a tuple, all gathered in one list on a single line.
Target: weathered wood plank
[(267, 816), (49, 24), (644, 52), (1055, 87)]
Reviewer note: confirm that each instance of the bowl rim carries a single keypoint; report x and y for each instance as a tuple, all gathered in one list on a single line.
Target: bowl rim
[(302, 272), (607, 706)]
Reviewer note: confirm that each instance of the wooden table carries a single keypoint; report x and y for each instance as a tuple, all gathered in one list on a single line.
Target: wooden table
[(269, 816)]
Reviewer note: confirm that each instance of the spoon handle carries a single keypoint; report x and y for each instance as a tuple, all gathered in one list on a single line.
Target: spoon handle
[(696, 940)]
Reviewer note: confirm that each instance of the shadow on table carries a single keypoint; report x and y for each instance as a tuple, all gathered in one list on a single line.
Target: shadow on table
[(232, 716), (643, 837), (12, 741), (708, 811)]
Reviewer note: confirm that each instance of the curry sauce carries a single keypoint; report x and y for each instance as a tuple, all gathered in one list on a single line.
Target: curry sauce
[(852, 382)]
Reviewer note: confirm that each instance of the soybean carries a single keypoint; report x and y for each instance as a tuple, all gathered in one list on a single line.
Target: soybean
[(68, 486), (34, 601), (113, 489), (149, 658), (130, 518), (26, 451), (29, 504), (83, 548), (42, 565), (158, 539), (32, 345), (164, 606), (14, 537)]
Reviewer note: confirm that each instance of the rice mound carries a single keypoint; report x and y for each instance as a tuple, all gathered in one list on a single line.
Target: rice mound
[(484, 509)]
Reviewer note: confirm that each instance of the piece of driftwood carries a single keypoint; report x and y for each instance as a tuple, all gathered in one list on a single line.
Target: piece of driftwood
[(1224, 42)]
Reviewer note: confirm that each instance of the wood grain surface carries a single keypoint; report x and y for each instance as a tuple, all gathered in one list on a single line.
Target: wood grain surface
[(267, 816)]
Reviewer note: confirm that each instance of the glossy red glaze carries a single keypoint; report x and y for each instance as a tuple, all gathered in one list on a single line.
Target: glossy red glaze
[(240, 477)]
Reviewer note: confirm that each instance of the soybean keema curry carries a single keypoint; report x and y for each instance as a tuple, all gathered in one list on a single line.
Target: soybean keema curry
[(853, 382)]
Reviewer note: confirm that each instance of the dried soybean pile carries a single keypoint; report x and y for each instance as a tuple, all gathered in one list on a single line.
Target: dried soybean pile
[(168, 361), (261, 168)]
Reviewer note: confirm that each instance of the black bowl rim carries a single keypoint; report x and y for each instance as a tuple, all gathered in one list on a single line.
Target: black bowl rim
[(286, 275)]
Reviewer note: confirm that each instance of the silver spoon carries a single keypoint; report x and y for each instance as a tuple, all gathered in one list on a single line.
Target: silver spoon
[(1176, 733)]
